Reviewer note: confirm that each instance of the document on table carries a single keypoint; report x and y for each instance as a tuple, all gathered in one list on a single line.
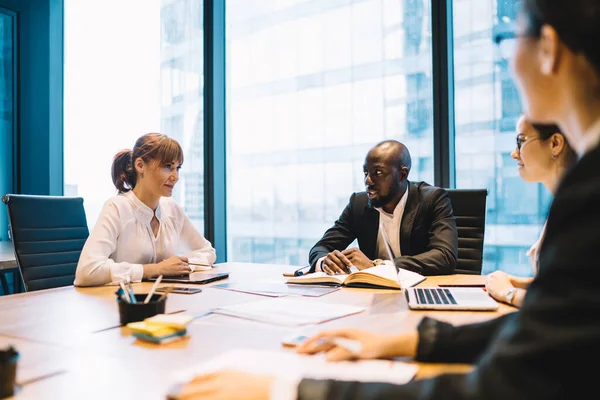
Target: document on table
[(289, 311), (289, 364), (276, 289)]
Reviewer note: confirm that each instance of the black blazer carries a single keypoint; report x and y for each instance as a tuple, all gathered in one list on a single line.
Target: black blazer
[(428, 236), (541, 351)]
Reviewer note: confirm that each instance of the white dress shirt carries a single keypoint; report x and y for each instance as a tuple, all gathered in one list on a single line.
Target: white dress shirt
[(391, 224), (122, 241)]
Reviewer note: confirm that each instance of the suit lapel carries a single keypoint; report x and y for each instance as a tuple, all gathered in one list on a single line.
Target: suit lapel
[(372, 229), (408, 218)]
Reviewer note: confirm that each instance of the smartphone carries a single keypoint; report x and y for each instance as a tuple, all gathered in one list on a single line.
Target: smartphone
[(293, 340), (181, 289)]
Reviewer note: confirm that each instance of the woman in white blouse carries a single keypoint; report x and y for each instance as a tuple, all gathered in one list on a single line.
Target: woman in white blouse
[(543, 155), (141, 231)]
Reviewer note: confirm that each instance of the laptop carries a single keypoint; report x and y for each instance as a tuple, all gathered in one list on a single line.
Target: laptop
[(197, 278), (442, 298)]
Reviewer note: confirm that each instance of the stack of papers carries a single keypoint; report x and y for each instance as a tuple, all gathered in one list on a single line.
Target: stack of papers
[(290, 365), (161, 328), (289, 311)]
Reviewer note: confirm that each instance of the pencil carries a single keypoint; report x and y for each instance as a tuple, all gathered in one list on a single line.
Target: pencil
[(167, 291), (199, 264)]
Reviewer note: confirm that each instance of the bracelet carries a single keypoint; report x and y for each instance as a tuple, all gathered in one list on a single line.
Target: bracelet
[(378, 261)]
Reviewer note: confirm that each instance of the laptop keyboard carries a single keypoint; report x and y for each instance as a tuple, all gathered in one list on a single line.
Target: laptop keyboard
[(434, 296)]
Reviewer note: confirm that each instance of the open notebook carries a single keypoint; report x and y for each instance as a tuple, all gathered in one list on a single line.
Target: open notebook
[(381, 276)]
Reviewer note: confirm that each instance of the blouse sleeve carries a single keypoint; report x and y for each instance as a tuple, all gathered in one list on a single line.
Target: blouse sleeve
[(443, 342), (95, 266), (201, 250)]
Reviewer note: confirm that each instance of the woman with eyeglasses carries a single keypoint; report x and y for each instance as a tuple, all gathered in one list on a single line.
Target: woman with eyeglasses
[(543, 155), (544, 351)]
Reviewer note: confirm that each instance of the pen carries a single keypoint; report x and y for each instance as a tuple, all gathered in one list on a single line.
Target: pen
[(199, 264), (123, 293), (149, 296), (353, 346), (130, 291)]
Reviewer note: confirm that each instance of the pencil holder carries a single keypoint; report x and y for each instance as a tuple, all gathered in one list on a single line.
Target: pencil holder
[(138, 311), (8, 372)]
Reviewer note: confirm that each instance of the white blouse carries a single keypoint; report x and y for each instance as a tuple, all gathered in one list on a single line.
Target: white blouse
[(122, 241), (534, 251)]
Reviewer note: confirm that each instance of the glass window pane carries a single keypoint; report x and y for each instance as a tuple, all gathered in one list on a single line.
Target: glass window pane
[(311, 86), (7, 110), (121, 83), (487, 108)]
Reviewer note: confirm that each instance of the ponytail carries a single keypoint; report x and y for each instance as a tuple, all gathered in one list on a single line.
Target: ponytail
[(123, 174)]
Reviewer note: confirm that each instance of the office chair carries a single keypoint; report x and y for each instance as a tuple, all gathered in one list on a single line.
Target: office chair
[(48, 233), (469, 207)]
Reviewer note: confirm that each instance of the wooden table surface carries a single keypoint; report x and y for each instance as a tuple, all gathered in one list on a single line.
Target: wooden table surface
[(72, 346)]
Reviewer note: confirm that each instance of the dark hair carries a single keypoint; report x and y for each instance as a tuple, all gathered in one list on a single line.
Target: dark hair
[(150, 147), (545, 132), (577, 24)]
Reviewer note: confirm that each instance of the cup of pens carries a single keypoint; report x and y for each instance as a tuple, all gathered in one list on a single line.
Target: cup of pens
[(138, 307)]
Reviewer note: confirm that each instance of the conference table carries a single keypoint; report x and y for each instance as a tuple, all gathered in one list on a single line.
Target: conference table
[(72, 346)]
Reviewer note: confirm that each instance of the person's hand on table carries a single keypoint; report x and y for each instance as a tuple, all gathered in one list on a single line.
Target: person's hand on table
[(372, 345), (228, 385), (336, 263), (358, 258), (497, 284)]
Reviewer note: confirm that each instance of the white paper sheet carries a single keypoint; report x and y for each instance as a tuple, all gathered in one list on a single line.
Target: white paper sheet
[(290, 365), (289, 311)]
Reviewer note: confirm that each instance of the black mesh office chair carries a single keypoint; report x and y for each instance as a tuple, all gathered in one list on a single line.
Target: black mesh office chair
[(48, 233), (469, 209)]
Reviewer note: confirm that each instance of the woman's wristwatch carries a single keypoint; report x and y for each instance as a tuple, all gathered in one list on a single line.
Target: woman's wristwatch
[(378, 261), (510, 295)]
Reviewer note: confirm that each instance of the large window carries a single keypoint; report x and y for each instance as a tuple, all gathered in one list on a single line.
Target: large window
[(128, 73), (311, 86), (487, 109), (7, 110)]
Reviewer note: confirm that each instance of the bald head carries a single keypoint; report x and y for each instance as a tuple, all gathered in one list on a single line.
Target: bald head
[(386, 174), (393, 153)]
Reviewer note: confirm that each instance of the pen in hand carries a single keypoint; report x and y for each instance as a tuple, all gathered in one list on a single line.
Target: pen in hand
[(353, 346)]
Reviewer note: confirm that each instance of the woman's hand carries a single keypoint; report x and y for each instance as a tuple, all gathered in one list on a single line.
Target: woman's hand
[(498, 284), (228, 385), (175, 265), (372, 345)]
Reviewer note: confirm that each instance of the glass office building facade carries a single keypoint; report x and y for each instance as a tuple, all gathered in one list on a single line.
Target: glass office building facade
[(311, 86)]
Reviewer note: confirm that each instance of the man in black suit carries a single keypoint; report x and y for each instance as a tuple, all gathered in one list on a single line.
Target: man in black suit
[(417, 218)]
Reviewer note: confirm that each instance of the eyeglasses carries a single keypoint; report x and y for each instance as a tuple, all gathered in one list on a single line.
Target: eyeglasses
[(521, 141), (506, 43)]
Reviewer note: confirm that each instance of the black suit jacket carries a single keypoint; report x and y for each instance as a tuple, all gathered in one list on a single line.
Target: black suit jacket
[(541, 351), (428, 236)]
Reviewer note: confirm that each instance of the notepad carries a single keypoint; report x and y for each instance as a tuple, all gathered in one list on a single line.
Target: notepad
[(161, 328), (288, 311), (381, 276), (289, 364)]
